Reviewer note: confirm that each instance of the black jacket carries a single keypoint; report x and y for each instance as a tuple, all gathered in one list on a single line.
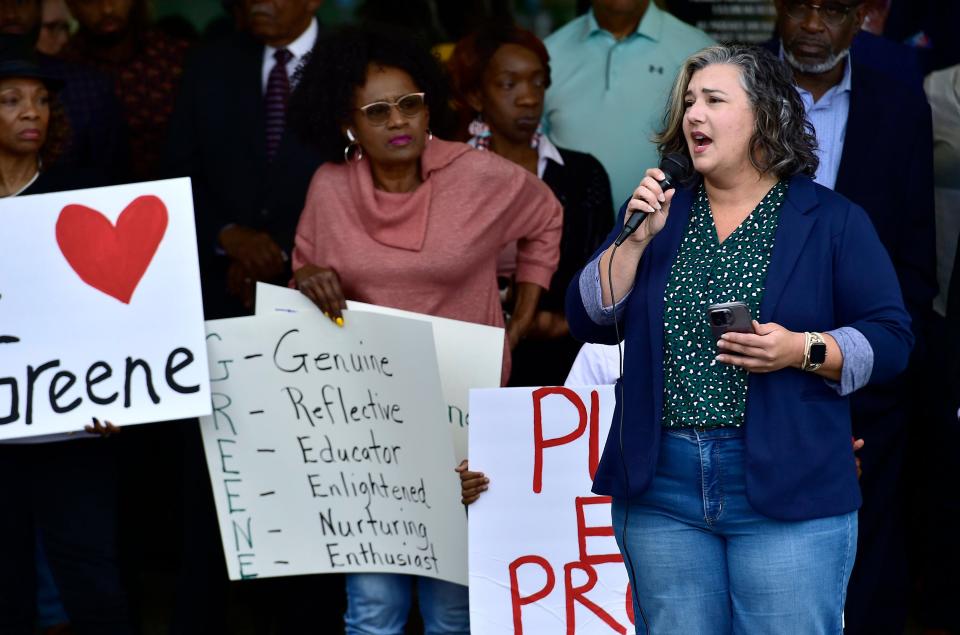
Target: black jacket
[(583, 189), (217, 138)]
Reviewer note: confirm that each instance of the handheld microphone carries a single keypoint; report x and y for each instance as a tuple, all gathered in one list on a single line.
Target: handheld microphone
[(675, 167)]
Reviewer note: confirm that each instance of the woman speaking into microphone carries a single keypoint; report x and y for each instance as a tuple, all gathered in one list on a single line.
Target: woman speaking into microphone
[(729, 457)]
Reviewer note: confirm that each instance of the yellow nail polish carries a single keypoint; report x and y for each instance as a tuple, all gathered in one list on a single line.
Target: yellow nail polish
[(340, 322)]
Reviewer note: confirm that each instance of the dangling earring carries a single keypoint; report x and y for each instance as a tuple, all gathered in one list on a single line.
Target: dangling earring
[(429, 135), (350, 146), (479, 133)]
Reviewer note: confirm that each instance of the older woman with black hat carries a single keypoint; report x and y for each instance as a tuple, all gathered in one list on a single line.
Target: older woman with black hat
[(64, 491), (33, 129)]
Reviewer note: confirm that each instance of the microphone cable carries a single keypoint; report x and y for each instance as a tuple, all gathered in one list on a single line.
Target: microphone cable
[(675, 166), (623, 458)]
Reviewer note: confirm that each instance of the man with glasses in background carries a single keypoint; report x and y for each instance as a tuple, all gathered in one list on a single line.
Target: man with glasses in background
[(54, 27), (874, 134)]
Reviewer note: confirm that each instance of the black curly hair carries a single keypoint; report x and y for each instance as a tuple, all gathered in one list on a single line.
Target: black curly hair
[(323, 100)]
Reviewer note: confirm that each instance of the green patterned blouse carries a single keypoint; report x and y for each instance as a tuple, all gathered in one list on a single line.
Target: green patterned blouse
[(698, 390)]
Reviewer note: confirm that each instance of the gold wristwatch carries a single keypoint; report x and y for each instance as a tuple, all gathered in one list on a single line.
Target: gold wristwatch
[(814, 351)]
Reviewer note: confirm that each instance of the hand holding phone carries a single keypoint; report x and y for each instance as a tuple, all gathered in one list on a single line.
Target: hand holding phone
[(729, 317)]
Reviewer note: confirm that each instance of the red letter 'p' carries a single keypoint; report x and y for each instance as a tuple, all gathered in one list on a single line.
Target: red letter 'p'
[(539, 443), (518, 602)]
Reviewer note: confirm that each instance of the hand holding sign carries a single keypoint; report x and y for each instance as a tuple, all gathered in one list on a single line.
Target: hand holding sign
[(543, 558), (104, 429), (472, 484), (328, 449), (101, 314), (322, 286)]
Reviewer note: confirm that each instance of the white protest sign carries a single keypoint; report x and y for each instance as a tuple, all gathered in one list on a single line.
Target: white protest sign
[(324, 452), (543, 559), (469, 355), (100, 309)]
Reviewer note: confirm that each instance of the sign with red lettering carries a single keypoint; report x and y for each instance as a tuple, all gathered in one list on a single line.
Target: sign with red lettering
[(100, 309), (543, 559)]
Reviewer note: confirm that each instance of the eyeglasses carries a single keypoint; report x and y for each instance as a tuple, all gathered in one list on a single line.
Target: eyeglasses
[(56, 26), (832, 13), (378, 112)]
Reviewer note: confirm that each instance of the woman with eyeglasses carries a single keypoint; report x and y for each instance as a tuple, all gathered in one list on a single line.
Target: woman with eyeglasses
[(398, 217)]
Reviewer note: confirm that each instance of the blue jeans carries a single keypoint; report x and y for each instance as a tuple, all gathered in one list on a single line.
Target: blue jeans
[(378, 604), (702, 561)]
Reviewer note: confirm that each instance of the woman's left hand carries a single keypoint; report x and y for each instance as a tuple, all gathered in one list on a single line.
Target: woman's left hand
[(769, 348), (104, 429)]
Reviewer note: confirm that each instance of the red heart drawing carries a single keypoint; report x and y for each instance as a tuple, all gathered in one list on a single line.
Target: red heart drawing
[(112, 259)]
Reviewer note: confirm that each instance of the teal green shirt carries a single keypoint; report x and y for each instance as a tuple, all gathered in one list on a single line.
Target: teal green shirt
[(607, 97), (698, 390)]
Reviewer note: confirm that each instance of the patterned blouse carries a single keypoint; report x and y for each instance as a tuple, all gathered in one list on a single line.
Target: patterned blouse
[(698, 390)]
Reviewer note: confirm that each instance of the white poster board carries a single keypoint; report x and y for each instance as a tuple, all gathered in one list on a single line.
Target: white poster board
[(543, 559), (327, 448), (469, 355), (100, 309)]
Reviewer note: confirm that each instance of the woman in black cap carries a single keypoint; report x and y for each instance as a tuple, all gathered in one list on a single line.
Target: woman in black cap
[(61, 490), (33, 129)]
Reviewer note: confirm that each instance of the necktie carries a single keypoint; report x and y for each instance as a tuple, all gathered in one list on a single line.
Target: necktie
[(278, 90)]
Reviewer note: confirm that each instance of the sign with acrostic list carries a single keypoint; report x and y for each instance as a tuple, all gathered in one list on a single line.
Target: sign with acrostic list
[(329, 450), (469, 355)]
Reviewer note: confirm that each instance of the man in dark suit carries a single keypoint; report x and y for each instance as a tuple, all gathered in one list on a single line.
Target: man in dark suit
[(886, 56), (875, 136), (248, 190), (250, 176)]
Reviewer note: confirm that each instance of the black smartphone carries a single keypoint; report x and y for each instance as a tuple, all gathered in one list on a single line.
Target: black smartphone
[(729, 316)]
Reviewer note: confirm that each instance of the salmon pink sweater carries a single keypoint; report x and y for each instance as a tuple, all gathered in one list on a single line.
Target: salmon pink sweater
[(433, 250)]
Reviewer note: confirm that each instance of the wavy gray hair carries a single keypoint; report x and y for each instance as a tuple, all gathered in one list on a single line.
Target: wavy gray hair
[(783, 141)]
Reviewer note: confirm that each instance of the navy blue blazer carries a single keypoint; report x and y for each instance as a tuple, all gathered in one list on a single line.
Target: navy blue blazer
[(828, 269)]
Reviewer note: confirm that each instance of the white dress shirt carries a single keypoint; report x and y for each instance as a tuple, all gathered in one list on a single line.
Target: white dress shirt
[(298, 49)]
